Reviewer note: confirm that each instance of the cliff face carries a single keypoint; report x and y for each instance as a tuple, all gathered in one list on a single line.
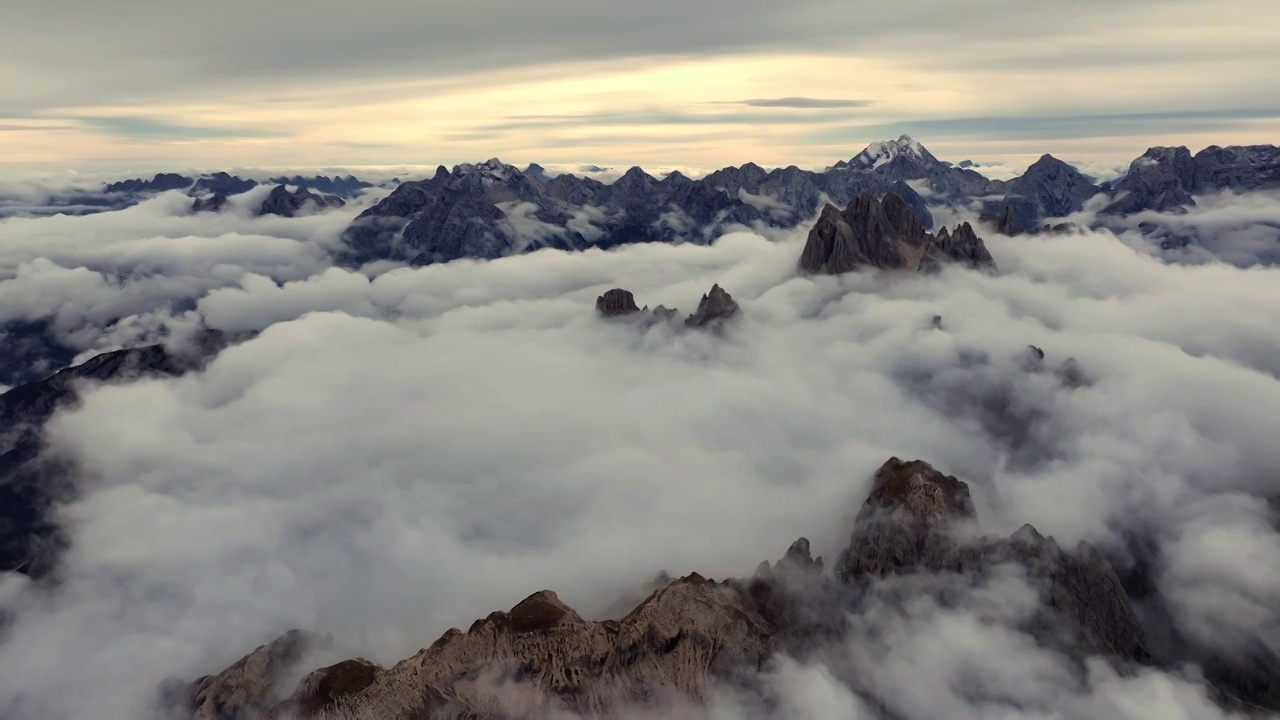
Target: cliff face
[(541, 657), (886, 234)]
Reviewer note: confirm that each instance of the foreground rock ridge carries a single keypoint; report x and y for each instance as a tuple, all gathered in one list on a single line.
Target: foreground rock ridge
[(693, 634)]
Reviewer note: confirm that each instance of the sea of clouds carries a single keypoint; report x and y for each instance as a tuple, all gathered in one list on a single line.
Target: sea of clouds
[(399, 451)]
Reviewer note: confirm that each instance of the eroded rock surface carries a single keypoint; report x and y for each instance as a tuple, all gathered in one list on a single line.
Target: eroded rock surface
[(616, 302), (886, 234), (715, 307), (692, 634)]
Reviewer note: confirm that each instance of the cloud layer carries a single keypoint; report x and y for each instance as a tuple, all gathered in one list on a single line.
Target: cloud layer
[(400, 453)]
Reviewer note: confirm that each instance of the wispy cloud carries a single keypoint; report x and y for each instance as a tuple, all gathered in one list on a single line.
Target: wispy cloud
[(803, 103), (144, 128)]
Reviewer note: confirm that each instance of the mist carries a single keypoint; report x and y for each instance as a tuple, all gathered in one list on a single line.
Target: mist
[(400, 451)]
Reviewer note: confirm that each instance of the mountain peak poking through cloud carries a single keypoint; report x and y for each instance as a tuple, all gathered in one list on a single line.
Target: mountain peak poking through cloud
[(878, 154)]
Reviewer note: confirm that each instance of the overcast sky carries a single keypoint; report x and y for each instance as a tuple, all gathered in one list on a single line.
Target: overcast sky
[(146, 84)]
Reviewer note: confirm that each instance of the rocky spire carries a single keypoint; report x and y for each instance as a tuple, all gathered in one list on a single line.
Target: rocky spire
[(885, 234), (715, 307)]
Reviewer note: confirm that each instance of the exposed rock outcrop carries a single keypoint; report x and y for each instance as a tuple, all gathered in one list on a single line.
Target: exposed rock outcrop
[(714, 309), (689, 634), (885, 234), (1049, 188), (918, 519), (160, 183), (212, 203), (247, 688), (288, 204), (616, 302)]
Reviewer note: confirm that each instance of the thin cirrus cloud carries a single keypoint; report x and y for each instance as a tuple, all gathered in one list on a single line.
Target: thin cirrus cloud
[(146, 128), (803, 102)]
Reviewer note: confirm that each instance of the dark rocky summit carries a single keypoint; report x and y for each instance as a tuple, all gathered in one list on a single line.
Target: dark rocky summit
[(691, 634), (714, 309), (1166, 178), (347, 187), (212, 203), (284, 203), (872, 233), (616, 302), (160, 183), (213, 189), (1049, 188), (221, 183)]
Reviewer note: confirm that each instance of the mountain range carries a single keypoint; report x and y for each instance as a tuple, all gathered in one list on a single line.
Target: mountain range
[(491, 209)]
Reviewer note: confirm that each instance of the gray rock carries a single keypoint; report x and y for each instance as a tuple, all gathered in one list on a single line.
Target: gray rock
[(714, 309), (1238, 168), (917, 520), (689, 634), (160, 183), (616, 302), (288, 204), (1163, 178), (247, 688), (348, 187), (464, 213), (212, 203), (961, 246), (870, 233), (1052, 188)]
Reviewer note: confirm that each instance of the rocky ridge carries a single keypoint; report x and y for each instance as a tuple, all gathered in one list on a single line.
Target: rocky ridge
[(694, 634), (715, 308)]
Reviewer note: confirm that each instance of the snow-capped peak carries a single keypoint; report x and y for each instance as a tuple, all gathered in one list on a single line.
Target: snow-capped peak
[(879, 153), (493, 168)]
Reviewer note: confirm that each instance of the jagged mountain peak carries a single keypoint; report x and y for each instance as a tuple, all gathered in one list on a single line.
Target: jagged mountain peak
[(492, 168), (881, 153)]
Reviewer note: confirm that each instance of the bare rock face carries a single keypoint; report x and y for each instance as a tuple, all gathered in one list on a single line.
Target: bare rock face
[(885, 234), (541, 658), (289, 204), (715, 307), (616, 302), (917, 519), (905, 523), (246, 688), (213, 203)]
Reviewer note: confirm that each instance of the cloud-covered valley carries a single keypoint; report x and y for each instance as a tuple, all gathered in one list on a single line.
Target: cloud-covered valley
[(398, 451)]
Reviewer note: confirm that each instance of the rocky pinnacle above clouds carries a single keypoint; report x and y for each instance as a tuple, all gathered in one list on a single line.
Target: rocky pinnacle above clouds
[(885, 234)]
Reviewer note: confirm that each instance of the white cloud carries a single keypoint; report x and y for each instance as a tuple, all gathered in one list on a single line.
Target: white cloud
[(397, 455)]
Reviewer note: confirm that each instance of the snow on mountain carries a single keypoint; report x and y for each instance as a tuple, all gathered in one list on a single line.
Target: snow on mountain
[(881, 153)]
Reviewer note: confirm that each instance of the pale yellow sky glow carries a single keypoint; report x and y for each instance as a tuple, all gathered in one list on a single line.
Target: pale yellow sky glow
[(1090, 91)]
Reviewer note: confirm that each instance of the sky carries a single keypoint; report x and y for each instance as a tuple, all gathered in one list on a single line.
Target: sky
[(143, 85), (402, 451)]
